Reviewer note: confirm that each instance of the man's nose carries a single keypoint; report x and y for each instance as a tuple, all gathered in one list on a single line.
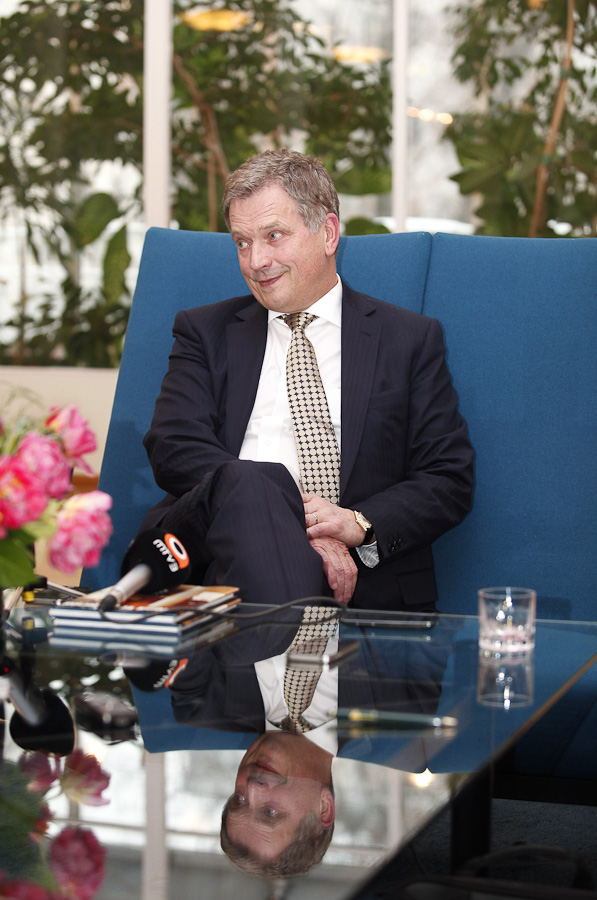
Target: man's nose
[(260, 256), (255, 792), (240, 785)]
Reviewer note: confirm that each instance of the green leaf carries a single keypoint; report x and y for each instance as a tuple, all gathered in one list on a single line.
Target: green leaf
[(116, 262), (20, 809), (43, 527), (361, 181), (16, 562), (92, 216), (361, 225), (472, 180)]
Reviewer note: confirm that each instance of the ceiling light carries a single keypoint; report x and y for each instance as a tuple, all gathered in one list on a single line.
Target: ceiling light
[(356, 54), (215, 19)]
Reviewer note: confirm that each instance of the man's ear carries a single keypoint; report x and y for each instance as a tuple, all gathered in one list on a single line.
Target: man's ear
[(327, 807), (332, 233)]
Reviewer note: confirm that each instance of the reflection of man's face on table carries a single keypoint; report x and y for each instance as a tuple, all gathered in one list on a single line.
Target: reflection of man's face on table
[(281, 796)]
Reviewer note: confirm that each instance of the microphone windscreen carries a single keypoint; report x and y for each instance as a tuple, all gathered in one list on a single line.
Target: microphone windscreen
[(164, 555), (54, 734)]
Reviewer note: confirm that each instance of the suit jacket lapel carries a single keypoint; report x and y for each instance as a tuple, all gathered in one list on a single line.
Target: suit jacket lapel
[(246, 338), (360, 339)]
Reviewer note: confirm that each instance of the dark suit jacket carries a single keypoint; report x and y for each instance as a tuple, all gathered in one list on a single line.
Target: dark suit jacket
[(407, 463)]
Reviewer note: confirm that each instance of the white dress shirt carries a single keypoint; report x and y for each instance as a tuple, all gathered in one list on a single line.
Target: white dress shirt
[(269, 436)]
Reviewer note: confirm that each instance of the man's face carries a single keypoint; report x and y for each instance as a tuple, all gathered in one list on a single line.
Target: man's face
[(286, 267), (275, 789)]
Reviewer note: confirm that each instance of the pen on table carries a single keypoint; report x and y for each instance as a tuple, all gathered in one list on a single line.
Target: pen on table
[(388, 719)]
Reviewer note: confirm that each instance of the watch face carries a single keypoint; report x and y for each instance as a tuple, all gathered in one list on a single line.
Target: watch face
[(363, 522)]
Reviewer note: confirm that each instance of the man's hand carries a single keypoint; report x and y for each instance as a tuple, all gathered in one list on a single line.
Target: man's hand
[(338, 567), (324, 519)]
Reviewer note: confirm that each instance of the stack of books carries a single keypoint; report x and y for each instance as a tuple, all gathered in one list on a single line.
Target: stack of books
[(174, 622)]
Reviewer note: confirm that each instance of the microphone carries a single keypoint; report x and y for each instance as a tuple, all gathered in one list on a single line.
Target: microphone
[(155, 561), (26, 700), (128, 585), (41, 720)]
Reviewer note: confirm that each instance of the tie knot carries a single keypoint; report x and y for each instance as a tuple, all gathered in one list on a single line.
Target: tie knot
[(298, 320)]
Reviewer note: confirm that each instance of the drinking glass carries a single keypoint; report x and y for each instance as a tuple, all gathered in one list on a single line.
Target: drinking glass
[(507, 619)]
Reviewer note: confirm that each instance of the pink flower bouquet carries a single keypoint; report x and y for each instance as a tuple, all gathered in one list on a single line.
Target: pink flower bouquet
[(66, 864), (36, 464)]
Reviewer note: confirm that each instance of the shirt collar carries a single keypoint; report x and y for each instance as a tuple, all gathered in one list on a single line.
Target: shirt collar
[(324, 736), (328, 307)]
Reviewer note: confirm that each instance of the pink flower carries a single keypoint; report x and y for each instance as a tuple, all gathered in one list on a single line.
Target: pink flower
[(36, 766), (22, 889), (74, 432), (84, 528), (83, 779), (22, 496), (77, 862), (43, 456)]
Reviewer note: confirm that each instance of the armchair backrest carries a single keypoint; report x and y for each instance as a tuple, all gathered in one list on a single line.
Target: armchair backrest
[(520, 322), (183, 269)]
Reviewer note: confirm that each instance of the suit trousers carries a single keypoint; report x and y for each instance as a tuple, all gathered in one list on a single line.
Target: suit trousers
[(244, 525)]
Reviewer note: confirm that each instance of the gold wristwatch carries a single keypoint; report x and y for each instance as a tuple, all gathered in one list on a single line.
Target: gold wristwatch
[(365, 524)]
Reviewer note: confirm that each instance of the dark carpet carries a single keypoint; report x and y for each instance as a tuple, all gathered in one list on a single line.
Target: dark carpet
[(572, 829)]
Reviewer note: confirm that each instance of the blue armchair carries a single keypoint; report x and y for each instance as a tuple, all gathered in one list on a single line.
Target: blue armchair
[(520, 321)]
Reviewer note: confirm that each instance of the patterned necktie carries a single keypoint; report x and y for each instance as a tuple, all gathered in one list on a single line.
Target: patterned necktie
[(317, 627), (316, 444)]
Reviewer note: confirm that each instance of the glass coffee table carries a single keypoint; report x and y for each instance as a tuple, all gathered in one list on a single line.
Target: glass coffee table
[(410, 715)]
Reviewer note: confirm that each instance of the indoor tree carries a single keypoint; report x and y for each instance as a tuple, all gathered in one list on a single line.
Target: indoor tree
[(528, 151), (62, 111), (247, 75)]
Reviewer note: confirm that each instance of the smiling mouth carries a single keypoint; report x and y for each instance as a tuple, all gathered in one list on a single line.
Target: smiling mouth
[(268, 282)]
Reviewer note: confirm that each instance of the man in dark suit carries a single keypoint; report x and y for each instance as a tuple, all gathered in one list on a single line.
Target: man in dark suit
[(221, 442)]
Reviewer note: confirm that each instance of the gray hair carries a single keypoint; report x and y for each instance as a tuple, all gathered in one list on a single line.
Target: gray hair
[(304, 178), (306, 849)]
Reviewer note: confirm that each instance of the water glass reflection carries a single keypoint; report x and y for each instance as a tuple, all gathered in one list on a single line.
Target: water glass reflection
[(505, 681)]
